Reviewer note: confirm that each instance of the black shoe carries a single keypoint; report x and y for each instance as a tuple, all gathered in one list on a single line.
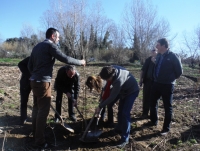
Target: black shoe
[(108, 124), (117, 131), (122, 144), (144, 116), (150, 124), (72, 118)]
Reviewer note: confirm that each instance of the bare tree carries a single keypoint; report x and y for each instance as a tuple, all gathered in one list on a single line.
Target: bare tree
[(191, 44), (118, 37), (27, 30), (70, 19), (143, 26), (98, 19), (74, 20), (47, 19)]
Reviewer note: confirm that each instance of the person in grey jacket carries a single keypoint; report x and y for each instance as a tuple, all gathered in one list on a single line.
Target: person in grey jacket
[(126, 88), (40, 65), (167, 69)]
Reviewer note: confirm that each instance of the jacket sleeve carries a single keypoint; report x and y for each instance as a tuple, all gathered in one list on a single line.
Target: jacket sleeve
[(76, 87), (30, 65), (59, 80), (178, 69), (23, 66), (145, 68), (54, 51)]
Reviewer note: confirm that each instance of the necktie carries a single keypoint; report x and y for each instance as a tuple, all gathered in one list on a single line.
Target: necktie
[(159, 64)]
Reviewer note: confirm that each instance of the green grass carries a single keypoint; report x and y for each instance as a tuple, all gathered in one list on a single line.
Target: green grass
[(179, 142), (10, 106), (140, 96), (9, 61), (1, 91)]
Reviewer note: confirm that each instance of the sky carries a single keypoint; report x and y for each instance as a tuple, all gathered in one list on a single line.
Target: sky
[(182, 15)]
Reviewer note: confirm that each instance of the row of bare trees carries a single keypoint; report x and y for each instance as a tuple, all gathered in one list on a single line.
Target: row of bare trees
[(87, 32)]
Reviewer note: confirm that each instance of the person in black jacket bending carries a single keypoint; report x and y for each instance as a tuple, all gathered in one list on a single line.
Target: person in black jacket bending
[(67, 82), (25, 89)]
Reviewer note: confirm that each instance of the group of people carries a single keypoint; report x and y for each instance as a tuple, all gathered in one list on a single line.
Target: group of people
[(37, 69), (158, 76)]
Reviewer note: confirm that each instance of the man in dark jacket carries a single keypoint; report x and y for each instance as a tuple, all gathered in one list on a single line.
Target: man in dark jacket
[(146, 78), (40, 66), (67, 82), (25, 89), (167, 69)]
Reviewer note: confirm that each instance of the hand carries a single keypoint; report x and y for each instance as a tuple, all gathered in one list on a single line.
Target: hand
[(83, 62), (97, 112), (68, 95), (153, 59)]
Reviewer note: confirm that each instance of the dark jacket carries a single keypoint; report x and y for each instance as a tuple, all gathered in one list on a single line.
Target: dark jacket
[(23, 66), (147, 69), (66, 84), (170, 69), (43, 58)]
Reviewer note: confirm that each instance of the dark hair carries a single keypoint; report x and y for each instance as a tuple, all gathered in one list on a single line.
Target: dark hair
[(50, 32), (70, 67), (163, 41), (107, 72)]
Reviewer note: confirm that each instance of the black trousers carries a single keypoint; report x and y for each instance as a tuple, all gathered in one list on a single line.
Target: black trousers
[(166, 92), (146, 97), (59, 97), (109, 111), (25, 89)]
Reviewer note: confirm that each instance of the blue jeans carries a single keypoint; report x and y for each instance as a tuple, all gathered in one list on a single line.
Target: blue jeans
[(124, 120), (166, 91)]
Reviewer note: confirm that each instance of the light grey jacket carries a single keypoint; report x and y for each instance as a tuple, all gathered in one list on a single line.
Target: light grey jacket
[(123, 84)]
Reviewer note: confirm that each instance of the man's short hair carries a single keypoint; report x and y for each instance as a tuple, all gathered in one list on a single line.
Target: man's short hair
[(50, 32), (70, 67), (163, 41), (107, 72)]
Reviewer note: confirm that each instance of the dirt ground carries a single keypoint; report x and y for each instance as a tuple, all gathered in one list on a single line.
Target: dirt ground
[(185, 127)]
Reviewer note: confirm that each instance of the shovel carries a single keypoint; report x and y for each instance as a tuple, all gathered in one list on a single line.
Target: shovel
[(63, 124), (81, 115), (91, 136)]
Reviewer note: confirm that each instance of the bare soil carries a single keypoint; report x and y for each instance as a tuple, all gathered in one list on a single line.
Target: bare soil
[(185, 127)]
